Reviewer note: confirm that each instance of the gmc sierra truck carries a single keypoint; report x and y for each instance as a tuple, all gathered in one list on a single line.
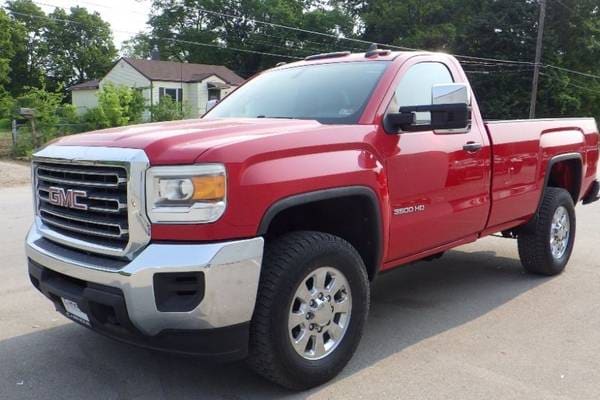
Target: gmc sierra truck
[(254, 232)]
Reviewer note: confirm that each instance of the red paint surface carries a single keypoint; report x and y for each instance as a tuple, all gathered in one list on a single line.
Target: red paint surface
[(465, 195)]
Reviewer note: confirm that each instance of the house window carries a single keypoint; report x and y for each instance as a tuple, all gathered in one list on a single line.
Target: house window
[(214, 94), (175, 94)]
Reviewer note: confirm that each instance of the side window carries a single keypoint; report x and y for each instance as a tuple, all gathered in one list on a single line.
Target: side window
[(415, 87)]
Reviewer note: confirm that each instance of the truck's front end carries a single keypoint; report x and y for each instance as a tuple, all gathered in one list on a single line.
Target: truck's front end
[(90, 251), (154, 234)]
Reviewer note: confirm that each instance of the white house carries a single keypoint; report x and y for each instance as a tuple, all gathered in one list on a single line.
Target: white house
[(192, 84)]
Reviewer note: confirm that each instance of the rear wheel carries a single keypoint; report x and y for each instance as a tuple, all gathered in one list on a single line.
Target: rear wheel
[(546, 243), (311, 309)]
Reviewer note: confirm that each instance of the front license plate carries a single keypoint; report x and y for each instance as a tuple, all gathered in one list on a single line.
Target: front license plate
[(74, 312)]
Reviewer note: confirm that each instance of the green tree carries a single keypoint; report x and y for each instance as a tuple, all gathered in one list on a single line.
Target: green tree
[(175, 26), (8, 32), (571, 41), (7, 105), (30, 50), (81, 50), (499, 29), (137, 47)]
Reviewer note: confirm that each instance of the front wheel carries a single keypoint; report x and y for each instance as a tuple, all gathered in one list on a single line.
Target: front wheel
[(311, 309), (545, 245)]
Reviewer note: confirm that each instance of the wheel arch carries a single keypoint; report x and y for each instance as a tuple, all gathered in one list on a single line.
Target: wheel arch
[(370, 245), (565, 171)]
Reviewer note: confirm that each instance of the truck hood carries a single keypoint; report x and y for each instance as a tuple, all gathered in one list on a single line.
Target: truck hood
[(182, 142)]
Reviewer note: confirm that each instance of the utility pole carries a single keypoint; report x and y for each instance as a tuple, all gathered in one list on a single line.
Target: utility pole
[(538, 59)]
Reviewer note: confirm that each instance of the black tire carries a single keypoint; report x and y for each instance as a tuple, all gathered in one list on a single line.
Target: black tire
[(288, 260), (534, 239)]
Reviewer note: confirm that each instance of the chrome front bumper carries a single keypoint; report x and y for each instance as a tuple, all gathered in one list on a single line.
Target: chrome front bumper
[(231, 271)]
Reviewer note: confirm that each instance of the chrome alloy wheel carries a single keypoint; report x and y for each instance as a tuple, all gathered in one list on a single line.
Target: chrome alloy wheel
[(320, 313), (560, 232)]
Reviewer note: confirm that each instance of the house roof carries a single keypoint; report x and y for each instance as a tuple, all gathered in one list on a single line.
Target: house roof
[(176, 72), (89, 85)]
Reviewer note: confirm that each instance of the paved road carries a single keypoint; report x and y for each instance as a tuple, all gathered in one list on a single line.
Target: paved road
[(469, 326)]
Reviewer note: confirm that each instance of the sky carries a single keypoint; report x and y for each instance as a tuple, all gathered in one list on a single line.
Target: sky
[(125, 17)]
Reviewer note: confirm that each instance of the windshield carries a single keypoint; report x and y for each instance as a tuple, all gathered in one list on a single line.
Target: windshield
[(333, 93)]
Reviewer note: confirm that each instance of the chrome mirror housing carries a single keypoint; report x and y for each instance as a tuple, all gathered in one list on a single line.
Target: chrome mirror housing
[(452, 93)]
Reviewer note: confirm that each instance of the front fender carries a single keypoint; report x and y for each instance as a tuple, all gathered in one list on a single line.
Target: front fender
[(259, 182)]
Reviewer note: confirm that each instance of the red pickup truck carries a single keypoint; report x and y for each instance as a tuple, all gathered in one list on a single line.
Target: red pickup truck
[(255, 231)]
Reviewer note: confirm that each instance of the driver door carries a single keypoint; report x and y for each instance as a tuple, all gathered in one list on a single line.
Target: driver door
[(439, 190)]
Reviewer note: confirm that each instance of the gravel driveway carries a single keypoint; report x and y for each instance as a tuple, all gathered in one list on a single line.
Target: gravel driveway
[(14, 173)]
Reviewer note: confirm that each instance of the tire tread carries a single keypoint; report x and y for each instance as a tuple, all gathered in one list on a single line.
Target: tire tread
[(532, 241), (281, 255)]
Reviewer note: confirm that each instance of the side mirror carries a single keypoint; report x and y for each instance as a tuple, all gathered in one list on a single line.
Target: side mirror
[(450, 112)]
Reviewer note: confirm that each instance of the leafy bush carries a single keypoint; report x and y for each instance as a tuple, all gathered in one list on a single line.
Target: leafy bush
[(24, 147), (46, 105), (5, 124), (117, 106), (169, 110), (52, 119)]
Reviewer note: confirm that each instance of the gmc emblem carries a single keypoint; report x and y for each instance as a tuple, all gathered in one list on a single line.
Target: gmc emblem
[(67, 198)]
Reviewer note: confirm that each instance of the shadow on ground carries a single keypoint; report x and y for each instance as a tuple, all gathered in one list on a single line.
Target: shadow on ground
[(409, 305)]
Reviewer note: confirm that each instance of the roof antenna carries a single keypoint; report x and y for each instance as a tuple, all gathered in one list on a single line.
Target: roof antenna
[(374, 51)]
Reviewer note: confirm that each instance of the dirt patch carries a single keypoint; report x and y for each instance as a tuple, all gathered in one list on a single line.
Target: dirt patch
[(14, 173), (5, 144)]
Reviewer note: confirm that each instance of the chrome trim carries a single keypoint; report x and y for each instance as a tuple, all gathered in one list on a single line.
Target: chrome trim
[(134, 161), (79, 183), (46, 231), (231, 271), (452, 93), (94, 232), (119, 179), (122, 231)]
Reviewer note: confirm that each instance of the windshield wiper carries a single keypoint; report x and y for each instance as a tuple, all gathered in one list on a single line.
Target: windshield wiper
[(264, 116)]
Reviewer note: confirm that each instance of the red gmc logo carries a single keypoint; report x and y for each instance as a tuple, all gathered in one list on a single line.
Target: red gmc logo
[(67, 198)]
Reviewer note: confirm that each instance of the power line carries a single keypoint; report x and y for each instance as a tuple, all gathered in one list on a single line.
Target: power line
[(565, 6), (496, 71), (571, 84), (271, 24), (139, 13), (459, 56), (353, 39), (573, 71), (223, 47)]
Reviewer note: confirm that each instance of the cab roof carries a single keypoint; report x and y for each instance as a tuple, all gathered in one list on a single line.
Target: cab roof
[(346, 56)]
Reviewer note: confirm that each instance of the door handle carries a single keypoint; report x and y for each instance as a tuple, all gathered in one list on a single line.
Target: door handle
[(472, 147)]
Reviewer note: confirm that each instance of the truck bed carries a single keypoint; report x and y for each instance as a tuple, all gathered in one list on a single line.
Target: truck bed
[(521, 152)]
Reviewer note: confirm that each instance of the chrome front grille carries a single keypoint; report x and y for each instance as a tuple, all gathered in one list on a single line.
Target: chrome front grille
[(92, 198), (99, 215)]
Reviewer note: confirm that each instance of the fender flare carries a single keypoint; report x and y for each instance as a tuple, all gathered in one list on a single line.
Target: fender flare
[(328, 194), (559, 158)]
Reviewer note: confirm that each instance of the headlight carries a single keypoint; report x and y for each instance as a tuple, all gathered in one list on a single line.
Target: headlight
[(186, 194)]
